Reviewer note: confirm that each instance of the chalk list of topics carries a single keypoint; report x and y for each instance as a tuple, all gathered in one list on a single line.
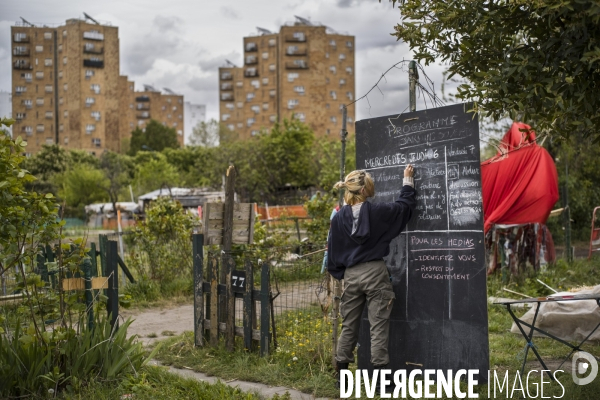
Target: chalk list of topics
[(444, 237)]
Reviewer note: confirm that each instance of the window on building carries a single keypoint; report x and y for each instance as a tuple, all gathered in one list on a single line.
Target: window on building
[(39, 48), (273, 118), (60, 47), (333, 95), (292, 49), (349, 95), (89, 73), (250, 96), (39, 101), (254, 132), (250, 121), (60, 74), (333, 119), (342, 56), (89, 128), (272, 92), (163, 108), (332, 69), (66, 114), (65, 60), (49, 141), (168, 100), (48, 115), (255, 83), (20, 36), (229, 106), (95, 115), (174, 108), (48, 62), (265, 55), (255, 109), (89, 101), (265, 81), (240, 125), (300, 117), (231, 127), (174, 124), (48, 88), (292, 76), (225, 117), (326, 55), (349, 70), (28, 130), (27, 103), (292, 103), (272, 42), (169, 116), (65, 87), (27, 76), (40, 128), (299, 36), (21, 116), (95, 88), (332, 43), (96, 142), (20, 89), (65, 32), (240, 104), (60, 100), (272, 67), (349, 44), (299, 89), (265, 106), (61, 127), (66, 140), (342, 82), (47, 35)]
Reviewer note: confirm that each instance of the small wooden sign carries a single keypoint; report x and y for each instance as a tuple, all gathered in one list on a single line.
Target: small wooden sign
[(79, 283), (238, 281), (214, 223)]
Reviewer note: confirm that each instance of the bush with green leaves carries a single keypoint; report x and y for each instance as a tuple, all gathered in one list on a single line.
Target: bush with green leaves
[(161, 243)]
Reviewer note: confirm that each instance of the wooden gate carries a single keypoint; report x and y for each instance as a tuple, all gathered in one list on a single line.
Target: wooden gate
[(213, 299)]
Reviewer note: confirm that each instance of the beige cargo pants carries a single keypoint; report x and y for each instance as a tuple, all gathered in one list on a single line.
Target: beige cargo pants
[(366, 283)]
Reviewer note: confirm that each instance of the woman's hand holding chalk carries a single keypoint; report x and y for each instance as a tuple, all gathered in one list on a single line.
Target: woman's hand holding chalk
[(409, 171)]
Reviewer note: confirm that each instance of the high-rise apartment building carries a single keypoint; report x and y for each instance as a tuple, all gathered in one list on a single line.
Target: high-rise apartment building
[(166, 108), (67, 88), (304, 71)]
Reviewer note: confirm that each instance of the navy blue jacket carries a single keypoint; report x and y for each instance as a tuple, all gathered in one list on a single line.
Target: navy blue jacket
[(377, 225)]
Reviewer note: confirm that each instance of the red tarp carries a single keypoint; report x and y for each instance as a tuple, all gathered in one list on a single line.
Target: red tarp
[(519, 184)]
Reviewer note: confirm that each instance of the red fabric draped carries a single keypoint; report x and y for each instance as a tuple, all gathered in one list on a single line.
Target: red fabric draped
[(520, 183)]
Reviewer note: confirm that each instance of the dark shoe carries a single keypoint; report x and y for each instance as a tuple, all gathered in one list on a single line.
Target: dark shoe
[(339, 367)]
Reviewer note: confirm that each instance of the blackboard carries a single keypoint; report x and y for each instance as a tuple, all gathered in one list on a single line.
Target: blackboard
[(439, 319)]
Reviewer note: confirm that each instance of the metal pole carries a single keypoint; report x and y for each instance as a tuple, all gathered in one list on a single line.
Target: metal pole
[(337, 285), (413, 78), (568, 249)]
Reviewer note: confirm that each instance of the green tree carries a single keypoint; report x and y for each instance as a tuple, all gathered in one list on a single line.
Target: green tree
[(155, 137), (326, 157), (79, 186), (118, 170), (194, 164), (153, 174), (532, 60)]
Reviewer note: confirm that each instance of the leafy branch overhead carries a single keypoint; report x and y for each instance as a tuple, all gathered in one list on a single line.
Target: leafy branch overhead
[(536, 61)]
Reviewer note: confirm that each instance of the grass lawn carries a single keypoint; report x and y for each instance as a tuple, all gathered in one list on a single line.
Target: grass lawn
[(304, 363)]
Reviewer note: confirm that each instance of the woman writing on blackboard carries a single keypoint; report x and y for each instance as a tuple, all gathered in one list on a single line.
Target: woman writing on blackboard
[(359, 238)]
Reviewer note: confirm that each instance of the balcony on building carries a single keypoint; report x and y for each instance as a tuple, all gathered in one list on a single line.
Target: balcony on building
[(226, 76), (92, 49), (143, 115), (93, 63), (93, 35), (251, 47), (143, 106), (22, 64), (21, 51), (21, 38), (226, 96), (296, 37), (251, 60), (296, 64), (250, 72), (295, 51), (142, 98), (227, 86)]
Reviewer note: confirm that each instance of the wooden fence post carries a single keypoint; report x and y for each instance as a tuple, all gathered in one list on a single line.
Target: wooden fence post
[(197, 242), (214, 299), (249, 310), (112, 272), (229, 265), (265, 310)]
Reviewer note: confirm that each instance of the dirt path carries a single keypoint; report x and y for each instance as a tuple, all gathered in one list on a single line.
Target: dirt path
[(158, 323)]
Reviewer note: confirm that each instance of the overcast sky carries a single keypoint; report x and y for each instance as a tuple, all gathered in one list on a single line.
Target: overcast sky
[(179, 44)]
